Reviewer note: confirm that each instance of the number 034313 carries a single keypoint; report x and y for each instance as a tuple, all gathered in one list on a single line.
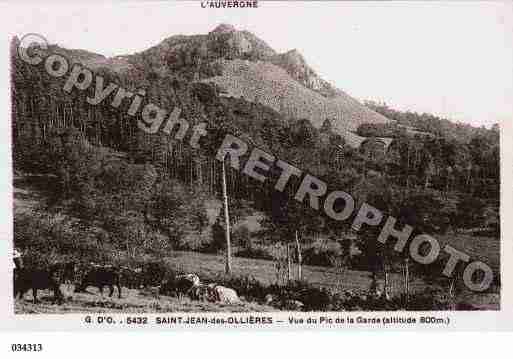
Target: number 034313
[(26, 347)]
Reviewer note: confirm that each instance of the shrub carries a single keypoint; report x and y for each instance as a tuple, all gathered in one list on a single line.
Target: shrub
[(313, 298), (241, 236), (322, 299), (218, 236), (46, 239), (247, 286), (196, 241), (324, 253)]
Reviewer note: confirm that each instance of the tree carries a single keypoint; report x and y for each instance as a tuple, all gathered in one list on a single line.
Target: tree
[(179, 209), (218, 235), (228, 268), (376, 192), (290, 222), (470, 212)]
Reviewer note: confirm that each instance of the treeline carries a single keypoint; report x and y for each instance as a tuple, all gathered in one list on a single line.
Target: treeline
[(438, 126), (430, 160)]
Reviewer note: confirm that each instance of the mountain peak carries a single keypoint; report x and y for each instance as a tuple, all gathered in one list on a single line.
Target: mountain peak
[(293, 52), (294, 56), (223, 28)]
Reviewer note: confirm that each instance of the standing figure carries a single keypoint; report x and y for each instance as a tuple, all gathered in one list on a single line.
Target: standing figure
[(17, 258)]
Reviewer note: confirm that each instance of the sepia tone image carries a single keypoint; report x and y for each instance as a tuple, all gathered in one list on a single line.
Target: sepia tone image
[(212, 172)]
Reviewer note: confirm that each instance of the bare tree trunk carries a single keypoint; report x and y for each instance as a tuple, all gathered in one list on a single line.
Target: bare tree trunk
[(453, 292), (199, 170), (406, 280), (374, 284), (386, 289), (299, 257), (228, 265), (128, 251), (451, 288), (288, 264), (408, 168)]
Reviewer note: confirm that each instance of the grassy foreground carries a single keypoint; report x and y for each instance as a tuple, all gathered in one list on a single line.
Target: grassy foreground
[(210, 266), (132, 301)]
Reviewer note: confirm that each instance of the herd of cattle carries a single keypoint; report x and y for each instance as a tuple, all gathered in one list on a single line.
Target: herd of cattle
[(150, 277)]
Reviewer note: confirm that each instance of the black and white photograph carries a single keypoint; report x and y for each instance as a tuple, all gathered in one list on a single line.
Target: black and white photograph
[(258, 157)]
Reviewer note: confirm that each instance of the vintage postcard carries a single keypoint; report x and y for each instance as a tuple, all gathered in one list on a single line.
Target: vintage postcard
[(257, 164)]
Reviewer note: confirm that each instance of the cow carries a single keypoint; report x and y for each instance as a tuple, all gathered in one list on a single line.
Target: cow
[(131, 278), (153, 273), (100, 276), (69, 270), (213, 293), (225, 295), (39, 278), (185, 283), (204, 292), (181, 285)]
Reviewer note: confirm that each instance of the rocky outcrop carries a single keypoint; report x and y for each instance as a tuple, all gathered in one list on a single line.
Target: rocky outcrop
[(239, 44), (296, 66), (223, 28)]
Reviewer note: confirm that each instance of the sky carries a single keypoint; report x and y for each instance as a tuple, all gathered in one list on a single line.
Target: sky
[(454, 60)]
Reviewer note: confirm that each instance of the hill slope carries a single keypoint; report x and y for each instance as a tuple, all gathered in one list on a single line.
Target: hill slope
[(244, 66), (271, 85)]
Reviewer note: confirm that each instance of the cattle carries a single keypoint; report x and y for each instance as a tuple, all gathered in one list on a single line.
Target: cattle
[(213, 293), (180, 285), (149, 274), (69, 271), (168, 286), (100, 276), (226, 295), (204, 292), (190, 278), (268, 299), (39, 278), (153, 273), (132, 278), (185, 284)]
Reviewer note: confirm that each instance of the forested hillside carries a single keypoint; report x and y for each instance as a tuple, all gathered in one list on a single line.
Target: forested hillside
[(137, 193), (439, 127)]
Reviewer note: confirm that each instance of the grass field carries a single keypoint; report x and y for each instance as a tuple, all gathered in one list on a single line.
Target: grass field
[(210, 265), (132, 301)]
